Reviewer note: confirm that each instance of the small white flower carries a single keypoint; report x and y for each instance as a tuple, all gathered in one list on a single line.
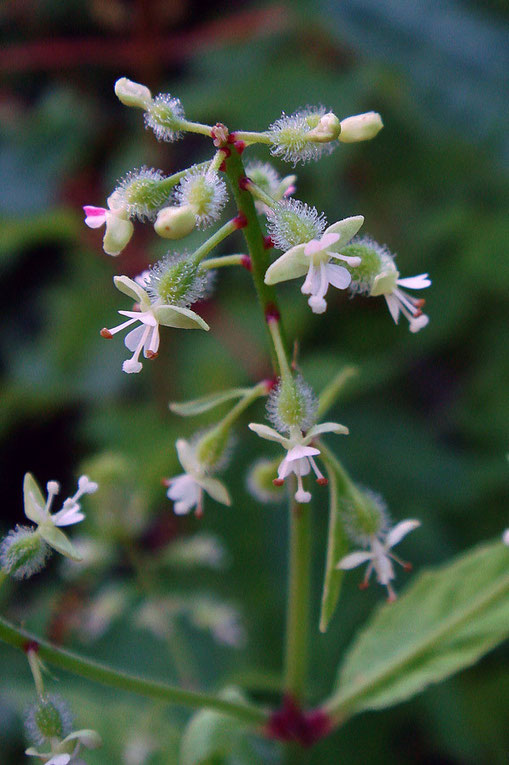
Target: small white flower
[(186, 490), (66, 751), (115, 217), (505, 537), (150, 316), (388, 284), (379, 556), (38, 510), (300, 454), (313, 259)]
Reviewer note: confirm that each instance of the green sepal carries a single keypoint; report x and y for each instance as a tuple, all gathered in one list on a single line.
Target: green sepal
[(204, 403), (181, 318), (292, 264), (33, 499), (346, 228), (56, 539)]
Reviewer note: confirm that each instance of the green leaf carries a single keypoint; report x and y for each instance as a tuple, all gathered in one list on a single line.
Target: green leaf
[(204, 403), (210, 737), (59, 541), (445, 621), (337, 545)]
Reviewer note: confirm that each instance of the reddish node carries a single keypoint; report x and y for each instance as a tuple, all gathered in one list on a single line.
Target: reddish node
[(231, 138), (246, 263), (226, 151), (271, 313), (271, 383), (244, 183), (278, 482), (268, 244), (240, 220), (222, 167), (239, 146), (322, 481), (291, 723), (106, 333), (31, 646)]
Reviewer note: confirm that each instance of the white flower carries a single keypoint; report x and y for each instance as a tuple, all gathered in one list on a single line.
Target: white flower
[(388, 284), (313, 258), (66, 751), (186, 490), (379, 556), (115, 217), (150, 315), (300, 454), (37, 509)]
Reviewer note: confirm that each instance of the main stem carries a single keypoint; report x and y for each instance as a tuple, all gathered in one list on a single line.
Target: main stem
[(297, 624), (92, 670), (299, 590)]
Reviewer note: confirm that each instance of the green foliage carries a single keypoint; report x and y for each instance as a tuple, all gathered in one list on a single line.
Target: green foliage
[(445, 621)]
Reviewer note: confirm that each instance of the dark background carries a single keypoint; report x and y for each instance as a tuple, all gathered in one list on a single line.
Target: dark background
[(428, 413)]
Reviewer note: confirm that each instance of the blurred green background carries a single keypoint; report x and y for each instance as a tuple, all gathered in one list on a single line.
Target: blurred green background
[(428, 413)]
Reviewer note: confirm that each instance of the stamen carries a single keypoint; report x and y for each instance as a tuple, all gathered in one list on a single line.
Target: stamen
[(392, 595), (108, 333), (320, 478)]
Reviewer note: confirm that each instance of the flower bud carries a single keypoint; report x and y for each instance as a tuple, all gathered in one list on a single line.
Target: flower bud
[(23, 552), (260, 481), (132, 93), (302, 136), (118, 233), (374, 259), (328, 129), (177, 280), (212, 448), (141, 193), (293, 222), (361, 127), (292, 404), (49, 718), (175, 222)]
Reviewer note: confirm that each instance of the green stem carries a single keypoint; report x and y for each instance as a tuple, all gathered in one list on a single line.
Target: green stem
[(252, 137), (299, 590), (256, 392), (172, 180), (214, 240), (279, 348), (92, 670), (254, 239), (260, 194), (35, 667), (3, 576), (222, 261), (195, 127), (330, 393)]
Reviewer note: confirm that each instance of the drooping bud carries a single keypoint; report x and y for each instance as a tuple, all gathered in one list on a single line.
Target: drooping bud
[(212, 448), (205, 193), (48, 719), (175, 222), (374, 258), (260, 481), (164, 115), (23, 552), (118, 233), (328, 129), (293, 222), (292, 405), (132, 93), (361, 127)]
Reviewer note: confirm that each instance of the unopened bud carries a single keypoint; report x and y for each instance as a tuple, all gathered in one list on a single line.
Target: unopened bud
[(360, 127), (132, 93), (292, 405), (118, 234), (328, 129), (175, 222), (212, 447), (261, 482)]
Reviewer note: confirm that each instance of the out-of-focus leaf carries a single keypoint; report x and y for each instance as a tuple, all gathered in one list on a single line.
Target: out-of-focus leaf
[(204, 403), (445, 621), (211, 737), (337, 546)]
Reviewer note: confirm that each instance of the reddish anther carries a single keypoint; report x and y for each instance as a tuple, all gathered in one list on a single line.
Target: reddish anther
[(240, 220), (244, 183), (322, 481), (268, 244), (291, 723), (278, 482), (271, 313), (106, 333), (152, 355), (246, 263)]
